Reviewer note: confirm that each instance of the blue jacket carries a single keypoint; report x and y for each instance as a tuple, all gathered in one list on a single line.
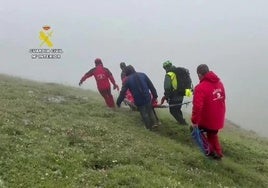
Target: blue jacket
[(141, 88)]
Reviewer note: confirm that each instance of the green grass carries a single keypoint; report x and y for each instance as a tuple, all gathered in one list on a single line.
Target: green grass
[(57, 136)]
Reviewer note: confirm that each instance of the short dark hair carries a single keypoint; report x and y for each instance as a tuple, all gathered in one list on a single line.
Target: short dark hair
[(122, 65), (98, 61), (202, 69), (129, 70)]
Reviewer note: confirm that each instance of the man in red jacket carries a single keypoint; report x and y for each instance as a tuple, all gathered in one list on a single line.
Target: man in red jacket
[(102, 76), (208, 112)]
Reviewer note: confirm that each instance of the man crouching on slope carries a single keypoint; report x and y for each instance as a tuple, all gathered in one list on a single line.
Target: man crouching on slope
[(140, 86)]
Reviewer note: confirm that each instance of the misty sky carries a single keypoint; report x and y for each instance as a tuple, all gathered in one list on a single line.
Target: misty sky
[(231, 36)]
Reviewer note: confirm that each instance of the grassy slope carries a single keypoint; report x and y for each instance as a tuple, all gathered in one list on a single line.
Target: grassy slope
[(57, 136)]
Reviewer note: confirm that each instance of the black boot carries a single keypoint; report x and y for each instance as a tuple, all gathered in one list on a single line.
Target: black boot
[(183, 122)]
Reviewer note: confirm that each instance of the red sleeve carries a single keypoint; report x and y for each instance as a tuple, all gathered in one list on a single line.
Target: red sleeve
[(198, 103), (87, 75), (110, 76)]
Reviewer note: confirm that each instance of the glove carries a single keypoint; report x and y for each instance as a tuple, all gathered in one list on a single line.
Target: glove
[(188, 93), (80, 83), (163, 99), (154, 102), (116, 87)]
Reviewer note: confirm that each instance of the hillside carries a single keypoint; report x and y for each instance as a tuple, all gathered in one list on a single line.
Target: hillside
[(52, 135)]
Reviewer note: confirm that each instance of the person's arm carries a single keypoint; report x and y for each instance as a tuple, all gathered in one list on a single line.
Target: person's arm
[(111, 78), (122, 93), (86, 76), (151, 87)]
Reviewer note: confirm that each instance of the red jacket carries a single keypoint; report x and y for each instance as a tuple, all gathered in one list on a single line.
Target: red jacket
[(209, 103), (102, 76)]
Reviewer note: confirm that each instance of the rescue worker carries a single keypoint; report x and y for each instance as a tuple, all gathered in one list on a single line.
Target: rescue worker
[(103, 77), (173, 97), (142, 89), (208, 112)]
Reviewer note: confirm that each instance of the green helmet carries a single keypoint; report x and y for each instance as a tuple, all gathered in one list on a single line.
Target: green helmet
[(167, 64)]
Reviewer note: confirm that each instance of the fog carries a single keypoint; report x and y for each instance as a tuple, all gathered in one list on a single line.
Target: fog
[(229, 36)]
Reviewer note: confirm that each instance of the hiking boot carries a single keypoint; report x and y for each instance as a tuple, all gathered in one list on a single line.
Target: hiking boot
[(214, 155), (217, 157), (183, 123), (155, 126)]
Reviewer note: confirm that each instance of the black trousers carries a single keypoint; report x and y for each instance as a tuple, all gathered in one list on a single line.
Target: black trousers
[(175, 111), (147, 114)]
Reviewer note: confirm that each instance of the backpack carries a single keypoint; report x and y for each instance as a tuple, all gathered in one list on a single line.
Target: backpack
[(183, 79)]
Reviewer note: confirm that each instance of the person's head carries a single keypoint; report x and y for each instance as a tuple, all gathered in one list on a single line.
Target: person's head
[(98, 61), (122, 65), (167, 65), (202, 70), (129, 70)]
